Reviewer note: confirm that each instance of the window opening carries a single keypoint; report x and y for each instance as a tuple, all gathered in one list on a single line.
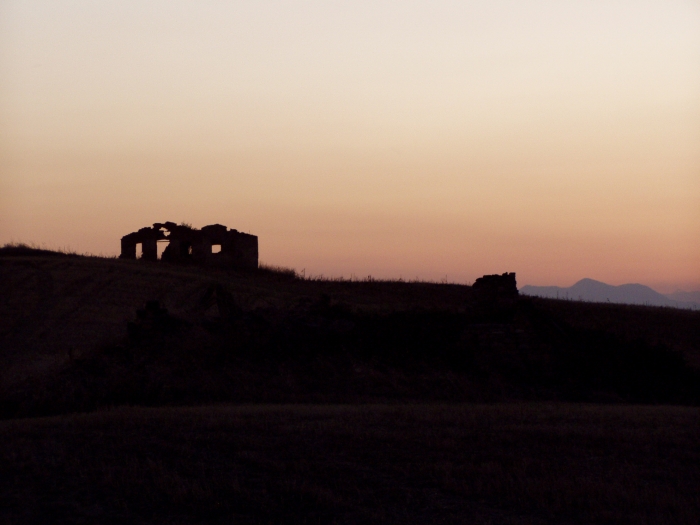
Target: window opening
[(215, 248), (161, 246), (139, 250)]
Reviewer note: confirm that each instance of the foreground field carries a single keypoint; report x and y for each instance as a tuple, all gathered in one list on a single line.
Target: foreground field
[(502, 463)]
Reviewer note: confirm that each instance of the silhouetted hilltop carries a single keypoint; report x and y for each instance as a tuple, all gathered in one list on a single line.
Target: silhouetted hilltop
[(24, 250), (596, 291), (79, 333)]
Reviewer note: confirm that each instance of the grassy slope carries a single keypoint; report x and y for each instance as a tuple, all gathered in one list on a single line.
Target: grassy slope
[(267, 337), (52, 307), (506, 464)]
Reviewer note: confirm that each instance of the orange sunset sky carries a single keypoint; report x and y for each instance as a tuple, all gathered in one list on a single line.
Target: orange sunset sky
[(433, 140)]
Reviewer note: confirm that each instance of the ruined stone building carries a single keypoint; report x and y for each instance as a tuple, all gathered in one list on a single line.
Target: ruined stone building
[(496, 285), (213, 244)]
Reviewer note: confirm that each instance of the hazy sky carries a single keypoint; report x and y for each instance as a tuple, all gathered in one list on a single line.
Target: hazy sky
[(442, 139)]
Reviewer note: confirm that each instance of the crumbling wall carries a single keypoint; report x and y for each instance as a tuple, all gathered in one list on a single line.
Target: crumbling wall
[(148, 238), (186, 244), (242, 249), (497, 285)]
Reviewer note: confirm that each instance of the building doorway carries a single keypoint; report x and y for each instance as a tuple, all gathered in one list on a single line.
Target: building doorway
[(161, 246)]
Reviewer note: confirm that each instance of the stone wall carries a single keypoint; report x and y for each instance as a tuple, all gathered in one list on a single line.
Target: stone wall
[(191, 245)]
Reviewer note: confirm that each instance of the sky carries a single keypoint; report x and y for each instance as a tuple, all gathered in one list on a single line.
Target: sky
[(438, 140)]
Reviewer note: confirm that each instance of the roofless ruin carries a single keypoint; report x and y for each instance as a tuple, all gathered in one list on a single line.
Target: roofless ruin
[(213, 244)]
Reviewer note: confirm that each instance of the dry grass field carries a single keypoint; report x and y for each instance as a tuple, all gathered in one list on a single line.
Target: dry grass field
[(486, 464)]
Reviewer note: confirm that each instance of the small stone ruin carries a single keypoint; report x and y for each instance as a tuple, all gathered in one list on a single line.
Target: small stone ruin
[(502, 286), (213, 244)]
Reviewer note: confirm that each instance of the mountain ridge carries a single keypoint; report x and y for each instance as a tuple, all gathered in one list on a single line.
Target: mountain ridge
[(631, 293)]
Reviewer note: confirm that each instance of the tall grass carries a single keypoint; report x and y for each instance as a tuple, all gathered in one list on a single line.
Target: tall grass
[(21, 249)]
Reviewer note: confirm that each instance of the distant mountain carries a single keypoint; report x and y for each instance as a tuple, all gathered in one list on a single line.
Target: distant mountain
[(595, 291), (686, 297)]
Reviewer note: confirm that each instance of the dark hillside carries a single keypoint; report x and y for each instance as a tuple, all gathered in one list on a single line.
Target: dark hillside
[(80, 333)]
